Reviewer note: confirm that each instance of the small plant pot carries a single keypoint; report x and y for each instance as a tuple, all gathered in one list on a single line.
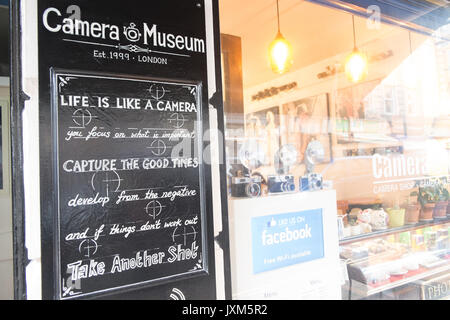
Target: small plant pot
[(426, 214), (412, 214), (440, 210), (396, 217)]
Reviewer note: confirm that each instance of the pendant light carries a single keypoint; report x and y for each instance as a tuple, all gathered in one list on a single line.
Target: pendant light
[(280, 51), (356, 64)]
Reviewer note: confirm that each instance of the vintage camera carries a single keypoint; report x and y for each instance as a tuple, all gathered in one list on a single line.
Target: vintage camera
[(246, 187), (315, 153), (281, 184), (311, 182)]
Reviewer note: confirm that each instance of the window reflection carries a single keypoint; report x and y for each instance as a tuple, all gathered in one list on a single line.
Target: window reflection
[(386, 139)]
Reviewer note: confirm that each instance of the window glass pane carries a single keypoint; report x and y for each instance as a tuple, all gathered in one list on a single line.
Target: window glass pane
[(381, 143)]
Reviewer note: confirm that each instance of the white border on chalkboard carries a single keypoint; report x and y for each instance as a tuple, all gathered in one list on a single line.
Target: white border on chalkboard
[(54, 108), (5, 146), (4, 81)]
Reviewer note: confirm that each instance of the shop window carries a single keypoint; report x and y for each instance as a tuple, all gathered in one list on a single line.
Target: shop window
[(381, 144)]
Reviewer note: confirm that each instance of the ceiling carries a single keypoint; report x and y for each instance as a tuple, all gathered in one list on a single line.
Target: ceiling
[(314, 31)]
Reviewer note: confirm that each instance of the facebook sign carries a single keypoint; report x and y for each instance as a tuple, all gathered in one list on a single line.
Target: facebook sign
[(286, 239)]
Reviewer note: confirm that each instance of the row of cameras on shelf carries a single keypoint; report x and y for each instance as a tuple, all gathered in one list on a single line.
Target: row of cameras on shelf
[(250, 186)]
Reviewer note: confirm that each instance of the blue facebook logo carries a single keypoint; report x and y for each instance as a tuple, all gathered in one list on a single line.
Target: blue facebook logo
[(286, 239)]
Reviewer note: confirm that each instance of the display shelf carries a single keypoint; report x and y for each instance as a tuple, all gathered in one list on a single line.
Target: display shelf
[(363, 290), (390, 231)]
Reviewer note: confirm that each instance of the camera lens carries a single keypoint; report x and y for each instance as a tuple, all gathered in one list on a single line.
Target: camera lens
[(291, 187), (253, 190), (287, 187)]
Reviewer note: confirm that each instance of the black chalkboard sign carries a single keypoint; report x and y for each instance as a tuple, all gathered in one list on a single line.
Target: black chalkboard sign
[(130, 181), (127, 98)]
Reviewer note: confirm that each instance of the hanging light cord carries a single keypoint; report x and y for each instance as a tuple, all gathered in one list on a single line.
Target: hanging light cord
[(410, 45), (354, 32), (278, 17)]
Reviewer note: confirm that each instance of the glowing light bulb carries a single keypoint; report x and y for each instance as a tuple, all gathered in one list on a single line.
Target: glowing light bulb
[(280, 52), (356, 66)]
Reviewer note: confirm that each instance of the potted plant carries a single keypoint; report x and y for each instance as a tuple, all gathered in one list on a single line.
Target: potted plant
[(428, 196), (396, 215), (412, 209), (440, 210), (446, 196)]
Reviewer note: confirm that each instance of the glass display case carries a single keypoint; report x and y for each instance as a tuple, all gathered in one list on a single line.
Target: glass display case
[(391, 246), (388, 264)]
